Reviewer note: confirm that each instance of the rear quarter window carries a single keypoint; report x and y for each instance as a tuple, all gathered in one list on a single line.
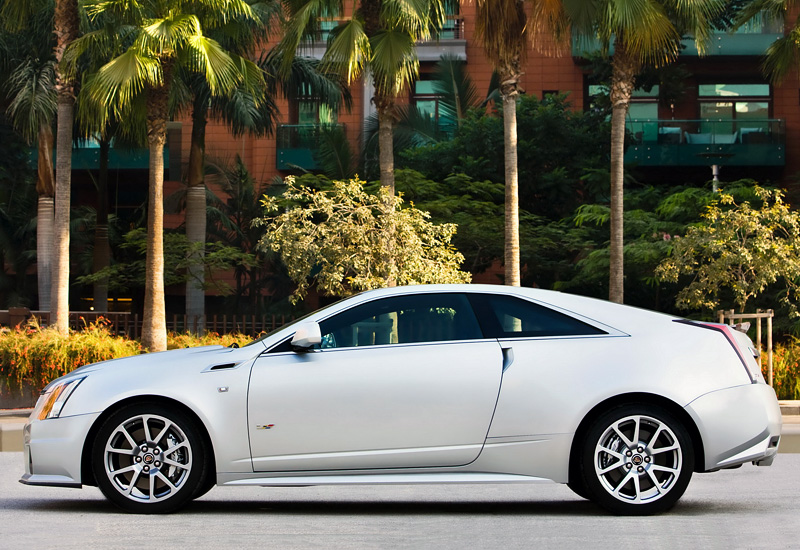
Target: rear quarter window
[(507, 317)]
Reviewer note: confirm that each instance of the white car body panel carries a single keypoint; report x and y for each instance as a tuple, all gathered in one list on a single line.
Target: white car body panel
[(381, 406)]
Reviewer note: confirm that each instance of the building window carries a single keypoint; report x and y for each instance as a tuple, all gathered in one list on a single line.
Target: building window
[(732, 107), (311, 111), (428, 103)]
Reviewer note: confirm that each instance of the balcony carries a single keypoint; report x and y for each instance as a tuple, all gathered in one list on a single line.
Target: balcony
[(753, 38), (298, 144), (87, 157), (449, 40), (747, 142)]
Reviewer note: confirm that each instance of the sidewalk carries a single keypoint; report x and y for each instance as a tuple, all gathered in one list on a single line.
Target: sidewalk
[(12, 421)]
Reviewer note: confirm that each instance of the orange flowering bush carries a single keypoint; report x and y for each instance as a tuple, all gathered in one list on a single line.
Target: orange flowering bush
[(785, 369), (186, 340), (32, 355)]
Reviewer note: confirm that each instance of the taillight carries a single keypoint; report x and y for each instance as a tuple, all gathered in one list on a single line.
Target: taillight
[(727, 331)]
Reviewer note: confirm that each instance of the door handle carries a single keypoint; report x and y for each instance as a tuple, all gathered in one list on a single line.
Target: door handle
[(508, 357)]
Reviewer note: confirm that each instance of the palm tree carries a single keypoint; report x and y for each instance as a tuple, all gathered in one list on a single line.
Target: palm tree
[(30, 86), (644, 32), (163, 37), (503, 28), (66, 27), (378, 39), (243, 113)]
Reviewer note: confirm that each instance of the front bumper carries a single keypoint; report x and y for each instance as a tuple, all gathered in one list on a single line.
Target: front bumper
[(738, 425), (53, 450)]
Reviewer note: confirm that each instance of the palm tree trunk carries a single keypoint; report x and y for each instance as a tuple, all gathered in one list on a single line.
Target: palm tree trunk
[(66, 27), (44, 217), (622, 82), (59, 288), (511, 247), (102, 251), (385, 107), (386, 145), (154, 325), (196, 220)]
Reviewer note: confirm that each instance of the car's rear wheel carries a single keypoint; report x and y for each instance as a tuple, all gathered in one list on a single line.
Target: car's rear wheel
[(149, 459), (637, 460)]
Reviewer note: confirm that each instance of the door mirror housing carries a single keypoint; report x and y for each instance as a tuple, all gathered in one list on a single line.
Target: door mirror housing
[(306, 336)]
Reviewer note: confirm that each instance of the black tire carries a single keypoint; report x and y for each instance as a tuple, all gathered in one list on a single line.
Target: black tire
[(206, 486), (578, 487), (165, 469), (630, 474)]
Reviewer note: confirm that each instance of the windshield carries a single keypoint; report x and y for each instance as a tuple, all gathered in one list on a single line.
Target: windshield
[(298, 320)]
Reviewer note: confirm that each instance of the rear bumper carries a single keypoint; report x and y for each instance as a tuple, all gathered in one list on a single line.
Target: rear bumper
[(738, 425), (53, 450)]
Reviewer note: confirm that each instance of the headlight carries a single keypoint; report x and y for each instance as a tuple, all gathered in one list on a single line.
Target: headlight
[(53, 398)]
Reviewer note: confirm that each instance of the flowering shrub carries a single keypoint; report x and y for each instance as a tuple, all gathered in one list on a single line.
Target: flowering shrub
[(185, 340), (785, 369), (31, 355)]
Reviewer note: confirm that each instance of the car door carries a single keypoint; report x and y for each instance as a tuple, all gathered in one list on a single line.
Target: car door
[(398, 382)]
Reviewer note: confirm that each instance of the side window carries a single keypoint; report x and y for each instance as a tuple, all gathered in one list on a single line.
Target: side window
[(507, 316), (402, 320)]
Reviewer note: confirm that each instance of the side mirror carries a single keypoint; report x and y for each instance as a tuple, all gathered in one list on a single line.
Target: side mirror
[(306, 336)]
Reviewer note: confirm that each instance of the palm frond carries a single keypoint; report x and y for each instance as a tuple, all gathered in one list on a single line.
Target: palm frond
[(208, 58), (412, 17), (501, 26), (394, 61), (305, 80), (120, 80), (453, 84), (349, 50), (782, 56), (169, 33), (646, 29), (335, 155), (303, 23), (31, 88)]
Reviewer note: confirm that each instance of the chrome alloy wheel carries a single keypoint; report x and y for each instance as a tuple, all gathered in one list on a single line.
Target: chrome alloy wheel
[(148, 458), (638, 459)]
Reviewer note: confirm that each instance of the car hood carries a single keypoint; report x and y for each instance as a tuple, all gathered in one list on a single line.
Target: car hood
[(199, 355)]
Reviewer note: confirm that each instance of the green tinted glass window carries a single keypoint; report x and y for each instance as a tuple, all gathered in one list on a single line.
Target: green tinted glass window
[(734, 90)]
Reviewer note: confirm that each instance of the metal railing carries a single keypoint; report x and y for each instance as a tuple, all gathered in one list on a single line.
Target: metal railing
[(130, 324)]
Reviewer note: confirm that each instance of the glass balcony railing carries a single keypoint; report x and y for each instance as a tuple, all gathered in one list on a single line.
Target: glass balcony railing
[(752, 38), (87, 157), (745, 142), (298, 144)]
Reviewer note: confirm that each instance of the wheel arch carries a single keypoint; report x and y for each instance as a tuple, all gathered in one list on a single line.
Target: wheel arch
[(87, 477), (634, 399)]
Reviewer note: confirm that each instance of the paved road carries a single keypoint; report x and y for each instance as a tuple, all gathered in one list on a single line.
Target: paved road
[(745, 508)]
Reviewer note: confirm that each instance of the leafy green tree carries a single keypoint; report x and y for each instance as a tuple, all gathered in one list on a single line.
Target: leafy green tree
[(18, 203), (27, 60), (345, 240), (164, 36), (547, 248), (553, 179), (738, 247), (644, 32), (243, 112), (377, 38), (129, 272), (66, 26)]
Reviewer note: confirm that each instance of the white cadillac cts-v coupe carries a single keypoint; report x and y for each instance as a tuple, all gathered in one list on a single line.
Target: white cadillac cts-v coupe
[(428, 384)]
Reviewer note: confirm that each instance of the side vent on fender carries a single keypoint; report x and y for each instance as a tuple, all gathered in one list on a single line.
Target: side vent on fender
[(224, 366)]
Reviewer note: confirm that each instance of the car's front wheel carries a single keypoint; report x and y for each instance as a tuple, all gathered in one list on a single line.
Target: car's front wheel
[(637, 460), (149, 459)]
